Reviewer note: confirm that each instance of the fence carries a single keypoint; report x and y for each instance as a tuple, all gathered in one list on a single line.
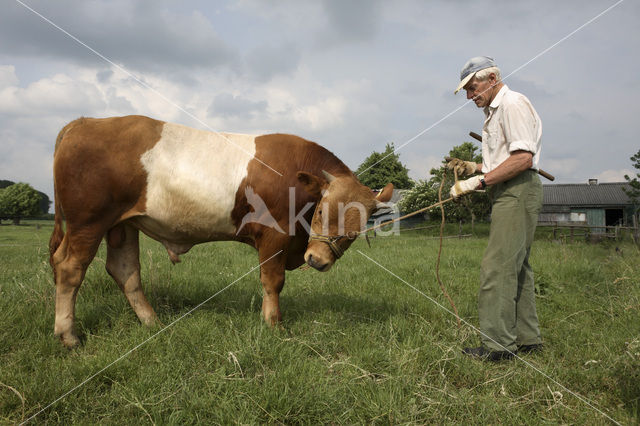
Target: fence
[(590, 232)]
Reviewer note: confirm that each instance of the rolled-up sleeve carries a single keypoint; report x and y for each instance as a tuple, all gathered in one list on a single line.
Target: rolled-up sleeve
[(522, 126)]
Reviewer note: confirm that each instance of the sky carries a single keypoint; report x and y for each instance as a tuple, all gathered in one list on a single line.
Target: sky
[(350, 75)]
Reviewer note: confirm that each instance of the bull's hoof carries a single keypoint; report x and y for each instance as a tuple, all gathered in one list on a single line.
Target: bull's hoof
[(151, 321), (69, 340), (274, 321)]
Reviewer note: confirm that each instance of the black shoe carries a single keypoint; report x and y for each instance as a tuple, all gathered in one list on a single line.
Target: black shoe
[(527, 349), (486, 354)]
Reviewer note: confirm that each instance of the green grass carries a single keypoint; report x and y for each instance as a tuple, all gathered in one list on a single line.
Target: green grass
[(357, 345)]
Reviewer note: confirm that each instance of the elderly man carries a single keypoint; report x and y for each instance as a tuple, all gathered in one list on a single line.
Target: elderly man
[(510, 153)]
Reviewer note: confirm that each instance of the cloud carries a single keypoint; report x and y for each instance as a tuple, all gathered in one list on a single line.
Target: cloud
[(265, 62), (533, 89), (228, 105), (419, 167), (7, 76), (103, 76), (28, 160), (562, 168), (614, 175), (143, 35), (351, 21), (327, 112), (59, 94), (325, 24), (32, 116)]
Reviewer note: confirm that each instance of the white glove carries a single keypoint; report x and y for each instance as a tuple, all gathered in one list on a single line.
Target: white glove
[(463, 187), (463, 168)]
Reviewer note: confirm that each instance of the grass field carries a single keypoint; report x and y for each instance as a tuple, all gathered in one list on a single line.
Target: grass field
[(357, 344)]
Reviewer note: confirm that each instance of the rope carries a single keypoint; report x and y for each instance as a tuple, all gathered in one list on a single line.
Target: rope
[(440, 203), (418, 228), (442, 287)]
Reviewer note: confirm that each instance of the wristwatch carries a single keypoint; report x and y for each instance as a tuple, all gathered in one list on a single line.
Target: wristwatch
[(483, 183)]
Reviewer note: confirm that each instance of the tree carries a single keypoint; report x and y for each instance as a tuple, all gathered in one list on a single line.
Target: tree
[(380, 168), (45, 202), (17, 201), (634, 186), (425, 193), (634, 191)]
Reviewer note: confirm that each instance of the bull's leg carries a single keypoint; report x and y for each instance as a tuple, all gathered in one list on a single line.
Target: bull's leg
[(123, 264), (70, 262), (272, 277)]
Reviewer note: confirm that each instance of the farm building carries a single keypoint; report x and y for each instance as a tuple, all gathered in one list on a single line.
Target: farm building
[(593, 204)]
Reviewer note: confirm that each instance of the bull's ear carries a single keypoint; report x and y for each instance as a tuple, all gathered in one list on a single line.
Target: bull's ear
[(311, 183), (385, 194)]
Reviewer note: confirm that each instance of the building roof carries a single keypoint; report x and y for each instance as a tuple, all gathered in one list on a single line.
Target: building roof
[(583, 194)]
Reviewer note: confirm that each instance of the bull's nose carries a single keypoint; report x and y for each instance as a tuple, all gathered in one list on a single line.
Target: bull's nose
[(313, 262)]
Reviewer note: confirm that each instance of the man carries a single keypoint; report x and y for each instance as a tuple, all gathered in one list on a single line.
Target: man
[(510, 153)]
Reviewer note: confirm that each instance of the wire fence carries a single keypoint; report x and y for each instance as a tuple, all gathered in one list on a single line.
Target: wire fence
[(570, 232)]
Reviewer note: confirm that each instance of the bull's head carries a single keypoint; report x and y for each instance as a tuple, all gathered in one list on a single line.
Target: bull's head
[(343, 210)]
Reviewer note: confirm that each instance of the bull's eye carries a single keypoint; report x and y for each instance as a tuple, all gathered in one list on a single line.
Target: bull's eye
[(320, 212)]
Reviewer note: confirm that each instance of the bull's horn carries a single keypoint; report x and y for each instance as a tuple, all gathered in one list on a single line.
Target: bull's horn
[(328, 176)]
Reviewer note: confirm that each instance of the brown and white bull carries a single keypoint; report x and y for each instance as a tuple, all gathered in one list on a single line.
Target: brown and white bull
[(114, 177)]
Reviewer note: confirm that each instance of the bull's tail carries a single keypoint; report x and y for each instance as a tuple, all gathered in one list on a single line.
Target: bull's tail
[(58, 233)]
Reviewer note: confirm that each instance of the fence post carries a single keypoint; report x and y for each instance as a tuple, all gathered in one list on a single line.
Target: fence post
[(571, 239)]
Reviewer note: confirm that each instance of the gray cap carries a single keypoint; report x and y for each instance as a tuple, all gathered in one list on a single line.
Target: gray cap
[(470, 69)]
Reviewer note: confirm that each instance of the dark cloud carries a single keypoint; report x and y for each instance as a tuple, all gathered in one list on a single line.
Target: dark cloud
[(349, 21), (141, 35), (227, 105), (529, 88), (265, 62), (104, 75)]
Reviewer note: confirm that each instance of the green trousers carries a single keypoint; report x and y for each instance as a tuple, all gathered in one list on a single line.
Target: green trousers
[(506, 300)]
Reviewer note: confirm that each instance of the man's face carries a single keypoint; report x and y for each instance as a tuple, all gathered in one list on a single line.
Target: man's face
[(481, 91)]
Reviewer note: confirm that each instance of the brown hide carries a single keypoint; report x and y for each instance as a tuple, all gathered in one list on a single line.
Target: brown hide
[(101, 158)]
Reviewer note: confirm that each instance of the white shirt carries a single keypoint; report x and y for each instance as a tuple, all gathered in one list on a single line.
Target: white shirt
[(511, 124)]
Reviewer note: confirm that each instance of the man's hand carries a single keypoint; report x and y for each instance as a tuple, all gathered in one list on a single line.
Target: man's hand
[(462, 168), (463, 187)]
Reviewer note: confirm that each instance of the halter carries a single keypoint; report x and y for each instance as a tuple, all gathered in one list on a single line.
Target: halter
[(332, 240)]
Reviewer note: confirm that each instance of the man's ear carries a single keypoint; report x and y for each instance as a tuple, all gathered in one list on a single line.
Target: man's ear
[(311, 183), (385, 194)]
